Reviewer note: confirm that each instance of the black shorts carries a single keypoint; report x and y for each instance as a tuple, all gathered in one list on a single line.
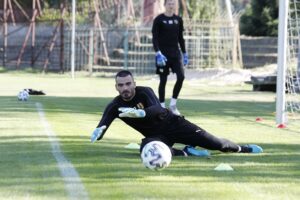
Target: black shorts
[(173, 63)]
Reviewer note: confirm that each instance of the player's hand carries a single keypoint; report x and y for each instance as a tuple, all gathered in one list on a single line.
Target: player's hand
[(131, 112), (97, 133), (185, 59), (160, 59)]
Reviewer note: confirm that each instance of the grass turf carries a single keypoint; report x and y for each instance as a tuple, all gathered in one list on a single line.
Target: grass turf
[(28, 169)]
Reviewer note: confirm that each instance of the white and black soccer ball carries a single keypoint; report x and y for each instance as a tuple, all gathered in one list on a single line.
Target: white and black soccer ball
[(23, 95), (156, 155)]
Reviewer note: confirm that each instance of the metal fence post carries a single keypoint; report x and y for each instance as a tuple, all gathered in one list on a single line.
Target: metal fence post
[(91, 52), (126, 49)]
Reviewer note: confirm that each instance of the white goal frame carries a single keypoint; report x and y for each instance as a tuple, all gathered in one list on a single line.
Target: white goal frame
[(288, 63), (281, 62)]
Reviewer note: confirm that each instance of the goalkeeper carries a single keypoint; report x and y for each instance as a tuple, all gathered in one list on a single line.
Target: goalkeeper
[(167, 32), (139, 108)]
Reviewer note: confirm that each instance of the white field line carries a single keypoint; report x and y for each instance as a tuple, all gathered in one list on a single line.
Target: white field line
[(74, 187)]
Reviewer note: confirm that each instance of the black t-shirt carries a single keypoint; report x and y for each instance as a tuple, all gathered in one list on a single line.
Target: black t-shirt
[(155, 121), (167, 34)]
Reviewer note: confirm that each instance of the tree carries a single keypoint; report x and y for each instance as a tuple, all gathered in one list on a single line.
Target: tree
[(260, 18), (204, 9), (239, 5)]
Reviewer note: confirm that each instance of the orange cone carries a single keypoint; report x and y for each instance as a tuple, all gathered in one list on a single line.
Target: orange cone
[(281, 126), (258, 119)]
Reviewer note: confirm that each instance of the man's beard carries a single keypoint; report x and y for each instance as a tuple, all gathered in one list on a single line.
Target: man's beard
[(126, 95)]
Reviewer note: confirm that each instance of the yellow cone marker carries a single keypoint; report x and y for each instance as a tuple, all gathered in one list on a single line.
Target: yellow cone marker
[(223, 167), (132, 146)]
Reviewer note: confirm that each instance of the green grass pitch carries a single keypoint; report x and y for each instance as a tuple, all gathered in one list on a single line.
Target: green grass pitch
[(28, 169)]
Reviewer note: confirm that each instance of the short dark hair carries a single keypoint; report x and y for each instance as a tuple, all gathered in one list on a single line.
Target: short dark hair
[(123, 73)]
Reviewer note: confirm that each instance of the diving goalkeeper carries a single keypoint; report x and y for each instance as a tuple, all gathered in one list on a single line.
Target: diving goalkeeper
[(139, 108)]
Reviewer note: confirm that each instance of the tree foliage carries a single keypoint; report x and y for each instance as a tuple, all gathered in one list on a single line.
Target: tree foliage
[(204, 9), (260, 18), (239, 5)]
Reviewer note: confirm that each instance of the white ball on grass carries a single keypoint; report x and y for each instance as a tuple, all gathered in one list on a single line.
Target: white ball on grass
[(23, 95), (156, 155)]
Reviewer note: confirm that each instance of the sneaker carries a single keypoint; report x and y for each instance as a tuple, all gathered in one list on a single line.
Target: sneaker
[(189, 150), (174, 110), (251, 148)]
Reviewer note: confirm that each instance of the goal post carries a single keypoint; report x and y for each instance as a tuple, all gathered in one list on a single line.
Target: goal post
[(281, 62), (288, 63), (73, 39)]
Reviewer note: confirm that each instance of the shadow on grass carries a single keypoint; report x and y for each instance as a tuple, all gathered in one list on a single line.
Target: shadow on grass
[(108, 160), (27, 70), (237, 110), (187, 106)]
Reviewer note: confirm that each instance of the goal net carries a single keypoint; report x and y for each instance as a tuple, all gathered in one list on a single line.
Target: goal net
[(290, 94), (293, 61)]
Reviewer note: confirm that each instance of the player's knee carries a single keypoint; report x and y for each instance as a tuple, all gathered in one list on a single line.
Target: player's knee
[(180, 78), (163, 79)]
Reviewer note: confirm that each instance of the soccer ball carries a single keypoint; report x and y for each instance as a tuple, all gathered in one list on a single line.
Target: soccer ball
[(23, 95), (156, 155)]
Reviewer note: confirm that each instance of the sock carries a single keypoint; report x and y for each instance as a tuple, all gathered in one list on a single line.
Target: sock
[(177, 152), (163, 104), (240, 148), (173, 102), (245, 149)]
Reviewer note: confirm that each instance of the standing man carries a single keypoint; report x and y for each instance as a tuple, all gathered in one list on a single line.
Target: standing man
[(139, 108), (167, 31)]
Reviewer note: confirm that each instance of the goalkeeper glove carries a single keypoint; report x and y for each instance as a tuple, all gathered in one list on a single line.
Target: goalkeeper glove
[(160, 59), (131, 112), (97, 133), (185, 59)]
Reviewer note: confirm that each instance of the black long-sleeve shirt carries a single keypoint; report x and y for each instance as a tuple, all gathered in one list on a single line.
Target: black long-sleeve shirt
[(167, 33), (153, 123)]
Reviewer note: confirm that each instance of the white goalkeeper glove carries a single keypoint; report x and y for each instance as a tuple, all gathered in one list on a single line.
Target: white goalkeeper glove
[(131, 112), (97, 133)]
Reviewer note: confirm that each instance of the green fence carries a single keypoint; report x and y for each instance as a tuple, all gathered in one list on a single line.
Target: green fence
[(111, 49)]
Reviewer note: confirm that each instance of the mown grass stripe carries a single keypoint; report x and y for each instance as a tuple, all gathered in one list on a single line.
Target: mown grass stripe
[(74, 187)]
